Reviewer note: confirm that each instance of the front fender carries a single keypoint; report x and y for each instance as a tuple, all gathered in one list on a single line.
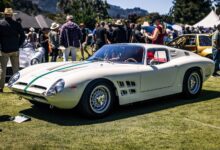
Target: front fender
[(69, 98), (207, 52)]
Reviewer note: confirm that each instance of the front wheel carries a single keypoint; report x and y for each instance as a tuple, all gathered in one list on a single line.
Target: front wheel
[(192, 83), (97, 100)]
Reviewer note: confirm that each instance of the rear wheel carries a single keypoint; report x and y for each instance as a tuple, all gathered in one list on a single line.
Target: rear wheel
[(97, 100), (192, 84)]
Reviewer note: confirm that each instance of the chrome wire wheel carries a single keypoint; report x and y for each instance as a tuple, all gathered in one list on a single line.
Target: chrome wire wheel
[(194, 83), (100, 99)]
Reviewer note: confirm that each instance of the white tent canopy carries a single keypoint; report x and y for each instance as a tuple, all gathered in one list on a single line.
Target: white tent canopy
[(210, 20)]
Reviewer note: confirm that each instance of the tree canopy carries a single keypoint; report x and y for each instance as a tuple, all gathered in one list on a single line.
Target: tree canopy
[(217, 5), (190, 11), (86, 11)]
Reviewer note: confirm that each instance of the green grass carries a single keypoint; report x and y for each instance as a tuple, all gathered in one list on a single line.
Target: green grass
[(167, 123)]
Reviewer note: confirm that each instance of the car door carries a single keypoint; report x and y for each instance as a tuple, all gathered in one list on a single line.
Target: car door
[(191, 43), (159, 75)]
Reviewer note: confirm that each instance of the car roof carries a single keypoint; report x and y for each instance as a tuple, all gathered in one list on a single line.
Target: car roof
[(196, 34), (146, 46)]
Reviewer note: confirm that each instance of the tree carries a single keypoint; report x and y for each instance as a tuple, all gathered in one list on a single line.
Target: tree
[(86, 11), (22, 5), (133, 17), (26, 6), (217, 5), (4, 4), (190, 11)]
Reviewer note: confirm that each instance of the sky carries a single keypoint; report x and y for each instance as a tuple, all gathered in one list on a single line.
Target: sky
[(161, 6)]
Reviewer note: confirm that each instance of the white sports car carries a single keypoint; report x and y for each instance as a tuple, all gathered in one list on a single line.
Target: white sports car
[(115, 74), (27, 56)]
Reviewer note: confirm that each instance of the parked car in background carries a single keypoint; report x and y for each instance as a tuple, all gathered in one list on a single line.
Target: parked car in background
[(115, 74), (28, 56), (200, 44)]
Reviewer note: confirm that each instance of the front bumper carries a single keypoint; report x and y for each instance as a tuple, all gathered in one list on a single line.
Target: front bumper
[(68, 99)]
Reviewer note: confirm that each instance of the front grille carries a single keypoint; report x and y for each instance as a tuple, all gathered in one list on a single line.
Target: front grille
[(31, 96), (33, 87)]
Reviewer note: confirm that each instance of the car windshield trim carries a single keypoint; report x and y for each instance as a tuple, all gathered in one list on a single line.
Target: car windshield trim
[(124, 54)]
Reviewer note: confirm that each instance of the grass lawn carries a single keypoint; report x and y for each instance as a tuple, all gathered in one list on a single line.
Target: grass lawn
[(167, 123)]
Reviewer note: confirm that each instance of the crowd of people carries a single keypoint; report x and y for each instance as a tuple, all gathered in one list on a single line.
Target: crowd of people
[(68, 37)]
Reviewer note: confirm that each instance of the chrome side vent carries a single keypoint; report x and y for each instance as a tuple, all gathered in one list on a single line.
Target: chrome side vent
[(130, 83), (124, 92), (132, 91), (121, 84)]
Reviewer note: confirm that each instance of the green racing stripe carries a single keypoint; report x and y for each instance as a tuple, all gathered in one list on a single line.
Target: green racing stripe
[(50, 72)]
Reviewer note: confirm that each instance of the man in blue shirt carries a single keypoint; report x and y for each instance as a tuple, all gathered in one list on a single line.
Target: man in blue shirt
[(216, 49)]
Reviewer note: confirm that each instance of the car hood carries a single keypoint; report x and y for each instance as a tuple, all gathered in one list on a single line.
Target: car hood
[(75, 71)]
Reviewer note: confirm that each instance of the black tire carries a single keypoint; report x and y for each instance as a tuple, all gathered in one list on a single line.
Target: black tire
[(193, 77), (210, 56), (88, 100)]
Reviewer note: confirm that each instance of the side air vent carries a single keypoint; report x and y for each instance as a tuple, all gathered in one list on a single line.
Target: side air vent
[(133, 84), (124, 92), (187, 53), (132, 91), (121, 84), (130, 83)]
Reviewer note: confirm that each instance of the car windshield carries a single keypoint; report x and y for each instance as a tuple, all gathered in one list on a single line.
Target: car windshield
[(205, 40), (120, 54)]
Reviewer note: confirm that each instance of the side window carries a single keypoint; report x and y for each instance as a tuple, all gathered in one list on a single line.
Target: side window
[(157, 56), (191, 40), (205, 40)]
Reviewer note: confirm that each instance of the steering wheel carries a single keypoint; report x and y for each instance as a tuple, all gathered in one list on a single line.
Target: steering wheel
[(131, 60)]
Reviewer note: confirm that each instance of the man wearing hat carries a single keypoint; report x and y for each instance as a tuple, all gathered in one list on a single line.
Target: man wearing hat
[(70, 36), (119, 33), (54, 40), (11, 38)]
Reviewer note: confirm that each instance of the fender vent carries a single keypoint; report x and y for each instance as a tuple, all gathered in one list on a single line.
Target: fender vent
[(124, 92), (132, 91), (130, 83), (187, 53), (121, 84)]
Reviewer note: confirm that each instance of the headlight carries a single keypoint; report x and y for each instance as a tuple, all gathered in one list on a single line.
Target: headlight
[(35, 61), (13, 79), (56, 88)]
